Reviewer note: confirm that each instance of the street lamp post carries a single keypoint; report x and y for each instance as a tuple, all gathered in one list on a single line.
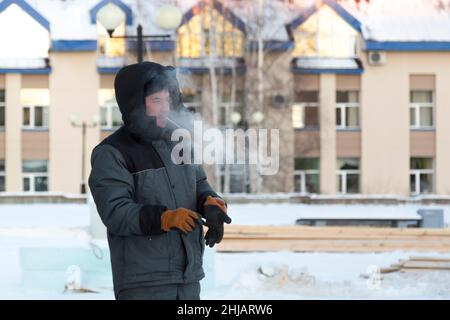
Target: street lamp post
[(140, 40), (167, 17), (83, 125)]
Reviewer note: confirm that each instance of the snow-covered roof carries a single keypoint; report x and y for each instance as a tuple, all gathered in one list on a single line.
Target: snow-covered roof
[(402, 20), (326, 65), (69, 19), (381, 20), (23, 63), (330, 63)]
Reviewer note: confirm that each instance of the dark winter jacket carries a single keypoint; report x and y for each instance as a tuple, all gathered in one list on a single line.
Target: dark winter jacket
[(133, 180)]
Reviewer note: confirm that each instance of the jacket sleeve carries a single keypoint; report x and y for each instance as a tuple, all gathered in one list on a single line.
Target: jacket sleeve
[(112, 187), (203, 189)]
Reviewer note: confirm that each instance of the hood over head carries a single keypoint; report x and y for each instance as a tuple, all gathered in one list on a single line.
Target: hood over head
[(132, 83)]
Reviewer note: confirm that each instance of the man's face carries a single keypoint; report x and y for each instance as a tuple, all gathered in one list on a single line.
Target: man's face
[(158, 104)]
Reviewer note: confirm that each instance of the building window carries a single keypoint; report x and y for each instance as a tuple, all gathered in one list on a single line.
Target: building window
[(194, 39), (192, 99), (305, 111), (34, 175), (2, 175), (325, 34), (238, 178), (348, 175), (35, 117), (421, 109), (2, 108), (347, 109), (110, 116), (230, 108), (306, 175), (421, 175), (35, 104)]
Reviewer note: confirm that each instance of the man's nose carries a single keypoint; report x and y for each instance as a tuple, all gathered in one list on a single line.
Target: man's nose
[(166, 107)]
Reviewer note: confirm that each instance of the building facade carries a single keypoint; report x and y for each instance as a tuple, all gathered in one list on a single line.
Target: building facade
[(362, 103)]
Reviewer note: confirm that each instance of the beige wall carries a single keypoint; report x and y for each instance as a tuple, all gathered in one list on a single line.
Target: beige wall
[(107, 81), (307, 143), (348, 144), (2, 133), (443, 127), (327, 133), (104, 134), (35, 145), (2, 145), (306, 82), (385, 129), (422, 143), (13, 145), (74, 84), (31, 81), (348, 82), (386, 135)]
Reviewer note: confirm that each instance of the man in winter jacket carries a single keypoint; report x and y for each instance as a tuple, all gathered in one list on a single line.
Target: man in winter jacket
[(152, 208)]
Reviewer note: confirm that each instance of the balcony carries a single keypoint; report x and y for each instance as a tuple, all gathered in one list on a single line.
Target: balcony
[(224, 65), (316, 65), (107, 64)]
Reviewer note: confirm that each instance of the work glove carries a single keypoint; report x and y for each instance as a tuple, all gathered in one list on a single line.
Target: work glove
[(215, 214), (181, 218)]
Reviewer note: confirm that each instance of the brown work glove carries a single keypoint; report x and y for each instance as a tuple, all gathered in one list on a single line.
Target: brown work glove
[(212, 201), (181, 218)]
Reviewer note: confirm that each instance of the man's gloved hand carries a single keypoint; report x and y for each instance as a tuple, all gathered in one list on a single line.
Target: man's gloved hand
[(181, 218), (215, 214)]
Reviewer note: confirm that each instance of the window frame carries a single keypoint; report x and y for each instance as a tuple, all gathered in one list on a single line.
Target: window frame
[(239, 173), (342, 107), (417, 106), (32, 177), (417, 173), (304, 105), (3, 106), (109, 105), (302, 174), (32, 124), (341, 175), (3, 174)]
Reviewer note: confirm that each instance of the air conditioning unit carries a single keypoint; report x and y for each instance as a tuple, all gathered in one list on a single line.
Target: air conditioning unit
[(377, 58)]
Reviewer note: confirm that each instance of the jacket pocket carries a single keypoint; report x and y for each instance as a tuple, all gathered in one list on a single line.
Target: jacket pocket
[(153, 187), (146, 255)]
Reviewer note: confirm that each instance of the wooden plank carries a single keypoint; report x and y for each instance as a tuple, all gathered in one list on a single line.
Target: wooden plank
[(435, 259), (334, 230), (333, 239), (329, 237), (426, 265), (389, 270), (412, 270), (335, 246)]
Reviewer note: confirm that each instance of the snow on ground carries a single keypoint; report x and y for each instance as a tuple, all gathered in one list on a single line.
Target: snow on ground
[(270, 275)]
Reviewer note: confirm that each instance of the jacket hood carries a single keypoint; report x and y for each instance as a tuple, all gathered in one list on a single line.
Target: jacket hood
[(129, 85)]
